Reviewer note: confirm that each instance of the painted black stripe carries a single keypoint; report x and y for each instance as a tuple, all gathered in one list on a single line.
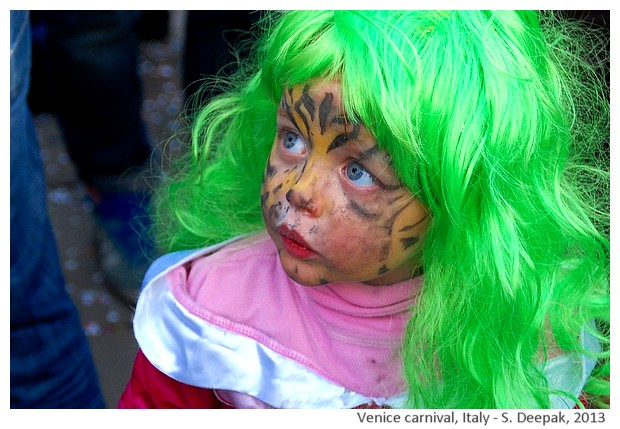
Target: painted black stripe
[(362, 211), (407, 242), (324, 110)]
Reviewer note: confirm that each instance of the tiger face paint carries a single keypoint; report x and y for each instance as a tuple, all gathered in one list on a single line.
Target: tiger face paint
[(331, 201)]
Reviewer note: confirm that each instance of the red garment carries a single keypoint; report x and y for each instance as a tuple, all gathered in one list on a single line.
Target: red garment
[(164, 392), (169, 393)]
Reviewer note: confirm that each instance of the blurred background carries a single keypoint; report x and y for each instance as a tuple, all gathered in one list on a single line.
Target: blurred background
[(176, 48)]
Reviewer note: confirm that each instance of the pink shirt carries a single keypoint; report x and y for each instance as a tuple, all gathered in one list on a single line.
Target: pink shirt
[(261, 334)]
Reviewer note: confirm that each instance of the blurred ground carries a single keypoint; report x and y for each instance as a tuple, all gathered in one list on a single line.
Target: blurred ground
[(106, 320)]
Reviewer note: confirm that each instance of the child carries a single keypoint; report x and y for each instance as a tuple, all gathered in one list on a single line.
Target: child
[(393, 209)]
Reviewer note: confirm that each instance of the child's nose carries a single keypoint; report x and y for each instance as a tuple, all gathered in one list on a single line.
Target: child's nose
[(305, 195), (303, 202)]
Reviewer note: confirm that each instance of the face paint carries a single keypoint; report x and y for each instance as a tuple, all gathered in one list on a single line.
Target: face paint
[(331, 201)]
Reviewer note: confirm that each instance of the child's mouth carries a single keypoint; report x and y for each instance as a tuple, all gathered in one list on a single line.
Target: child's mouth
[(294, 244)]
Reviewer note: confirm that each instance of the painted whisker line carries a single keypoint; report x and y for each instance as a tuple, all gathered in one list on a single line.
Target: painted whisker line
[(392, 219), (270, 170), (263, 198), (301, 173), (410, 227), (389, 226), (274, 209), (392, 201), (362, 211), (393, 188), (407, 242)]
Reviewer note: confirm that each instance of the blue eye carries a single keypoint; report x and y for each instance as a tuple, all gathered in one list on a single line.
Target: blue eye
[(359, 176), (293, 143)]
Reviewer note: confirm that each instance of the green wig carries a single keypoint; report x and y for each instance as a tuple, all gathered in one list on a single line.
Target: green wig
[(496, 121)]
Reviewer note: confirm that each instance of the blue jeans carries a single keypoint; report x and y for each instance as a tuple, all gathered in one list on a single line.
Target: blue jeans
[(51, 363)]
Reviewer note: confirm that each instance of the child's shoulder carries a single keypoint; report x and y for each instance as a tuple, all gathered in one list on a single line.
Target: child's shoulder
[(230, 250), (224, 279), (248, 263)]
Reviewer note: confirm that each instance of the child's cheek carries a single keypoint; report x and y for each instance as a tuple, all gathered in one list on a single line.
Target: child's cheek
[(405, 231), (273, 201), (354, 235)]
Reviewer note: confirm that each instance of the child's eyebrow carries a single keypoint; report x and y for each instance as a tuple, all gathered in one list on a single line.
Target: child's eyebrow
[(369, 153), (345, 137)]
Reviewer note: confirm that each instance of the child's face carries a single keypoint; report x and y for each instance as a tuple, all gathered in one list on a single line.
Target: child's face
[(331, 202)]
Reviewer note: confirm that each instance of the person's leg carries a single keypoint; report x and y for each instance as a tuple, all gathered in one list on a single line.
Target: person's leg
[(92, 65), (50, 360)]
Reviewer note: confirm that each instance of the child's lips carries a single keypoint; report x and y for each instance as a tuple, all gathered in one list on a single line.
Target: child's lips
[(294, 243)]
